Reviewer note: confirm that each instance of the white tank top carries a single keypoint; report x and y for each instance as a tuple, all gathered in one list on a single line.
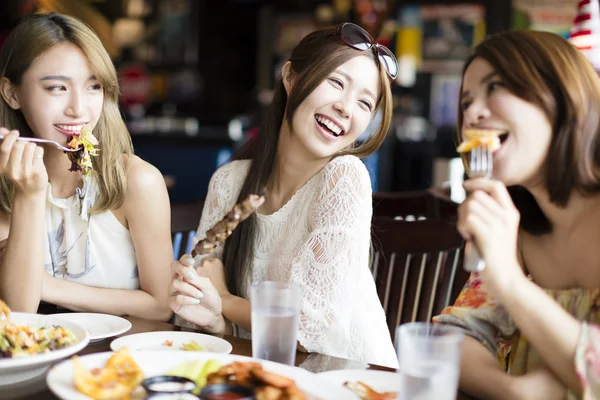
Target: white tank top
[(94, 250)]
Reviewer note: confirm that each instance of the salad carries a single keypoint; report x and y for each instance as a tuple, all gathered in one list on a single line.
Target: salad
[(87, 144), (23, 340)]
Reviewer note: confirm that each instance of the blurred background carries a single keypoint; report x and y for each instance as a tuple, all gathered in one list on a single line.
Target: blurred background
[(196, 75)]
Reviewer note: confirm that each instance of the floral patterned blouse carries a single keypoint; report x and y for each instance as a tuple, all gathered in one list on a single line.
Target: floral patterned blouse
[(483, 318)]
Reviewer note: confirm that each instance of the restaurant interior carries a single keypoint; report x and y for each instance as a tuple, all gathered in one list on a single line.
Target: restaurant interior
[(197, 75)]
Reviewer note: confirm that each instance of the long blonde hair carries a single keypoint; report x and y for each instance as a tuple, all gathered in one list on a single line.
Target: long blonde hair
[(30, 39)]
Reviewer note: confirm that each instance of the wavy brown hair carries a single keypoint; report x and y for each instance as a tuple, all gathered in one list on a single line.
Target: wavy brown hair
[(312, 61), (31, 38), (546, 70)]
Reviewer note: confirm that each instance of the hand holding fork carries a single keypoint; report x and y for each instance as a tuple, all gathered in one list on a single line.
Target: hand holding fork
[(22, 163), (480, 166)]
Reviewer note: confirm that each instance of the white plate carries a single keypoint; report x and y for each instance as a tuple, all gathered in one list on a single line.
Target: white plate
[(13, 370), (156, 341), (381, 381), (100, 326), (60, 378)]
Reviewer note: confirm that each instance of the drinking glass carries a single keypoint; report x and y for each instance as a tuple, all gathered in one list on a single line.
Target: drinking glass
[(429, 359), (275, 311)]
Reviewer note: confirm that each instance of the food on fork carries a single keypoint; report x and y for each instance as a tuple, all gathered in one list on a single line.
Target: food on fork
[(116, 380), (480, 137), (87, 144), (267, 385), (23, 340), (365, 392), (223, 229)]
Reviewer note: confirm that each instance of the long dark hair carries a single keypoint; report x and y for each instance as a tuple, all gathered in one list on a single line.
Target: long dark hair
[(546, 70), (312, 61)]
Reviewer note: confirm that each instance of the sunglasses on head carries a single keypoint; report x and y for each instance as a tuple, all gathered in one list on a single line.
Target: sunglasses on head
[(359, 39)]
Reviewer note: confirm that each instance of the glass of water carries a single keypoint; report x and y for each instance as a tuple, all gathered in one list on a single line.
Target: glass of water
[(275, 312), (429, 358)]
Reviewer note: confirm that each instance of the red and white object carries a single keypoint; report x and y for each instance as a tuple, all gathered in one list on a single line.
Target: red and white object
[(585, 32)]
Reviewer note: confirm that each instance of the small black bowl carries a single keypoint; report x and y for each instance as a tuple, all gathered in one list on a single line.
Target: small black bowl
[(168, 384), (213, 392)]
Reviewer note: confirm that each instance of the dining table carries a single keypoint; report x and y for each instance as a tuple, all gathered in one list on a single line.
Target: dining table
[(37, 389)]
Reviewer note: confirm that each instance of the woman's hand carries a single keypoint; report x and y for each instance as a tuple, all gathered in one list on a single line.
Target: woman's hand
[(212, 268), (539, 384), (22, 162), (195, 298), (489, 218)]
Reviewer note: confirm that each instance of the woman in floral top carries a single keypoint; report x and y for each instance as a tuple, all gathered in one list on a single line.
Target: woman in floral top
[(536, 306)]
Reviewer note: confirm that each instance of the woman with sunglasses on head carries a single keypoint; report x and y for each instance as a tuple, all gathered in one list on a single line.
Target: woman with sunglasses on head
[(314, 226), (95, 239), (534, 308)]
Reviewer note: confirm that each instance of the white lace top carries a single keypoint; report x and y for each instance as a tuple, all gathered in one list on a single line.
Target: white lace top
[(320, 240), (94, 250)]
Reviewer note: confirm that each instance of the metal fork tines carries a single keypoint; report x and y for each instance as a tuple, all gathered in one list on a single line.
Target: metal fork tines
[(481, 162), (480, 166), (38, 140)]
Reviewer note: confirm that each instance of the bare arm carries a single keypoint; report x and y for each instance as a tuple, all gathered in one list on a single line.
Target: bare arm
[(148, 215), (237, 310), (549, 328), (480, 373), (22, 270), (490, 217)]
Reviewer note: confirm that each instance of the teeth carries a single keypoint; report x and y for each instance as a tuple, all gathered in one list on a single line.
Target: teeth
[(70, 128), (329, 124)]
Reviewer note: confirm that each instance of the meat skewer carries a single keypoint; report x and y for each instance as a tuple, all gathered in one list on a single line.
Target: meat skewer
[(224, 228)]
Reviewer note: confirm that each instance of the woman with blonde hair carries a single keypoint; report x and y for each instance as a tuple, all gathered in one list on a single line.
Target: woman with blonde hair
[(532, 315), (314, 226), (95, 241)]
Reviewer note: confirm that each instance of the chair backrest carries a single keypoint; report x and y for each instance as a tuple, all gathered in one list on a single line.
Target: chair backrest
[(417, 267), (429, 204), (182, 242)]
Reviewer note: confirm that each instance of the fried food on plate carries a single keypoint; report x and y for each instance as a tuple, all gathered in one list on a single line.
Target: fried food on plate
[(116, 380), (365, 392), (268, 385)]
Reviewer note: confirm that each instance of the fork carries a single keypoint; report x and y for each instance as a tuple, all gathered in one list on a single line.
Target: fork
[(38, 140), (480, 166)]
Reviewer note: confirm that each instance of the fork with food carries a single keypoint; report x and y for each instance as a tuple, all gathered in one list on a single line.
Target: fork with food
[(481, 144)]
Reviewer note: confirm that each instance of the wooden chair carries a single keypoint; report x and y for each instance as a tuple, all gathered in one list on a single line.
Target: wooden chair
[(429, 204), (417, 267)]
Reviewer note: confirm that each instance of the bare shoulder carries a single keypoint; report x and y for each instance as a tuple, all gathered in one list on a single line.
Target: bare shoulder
[(145, 185), (142, 175)]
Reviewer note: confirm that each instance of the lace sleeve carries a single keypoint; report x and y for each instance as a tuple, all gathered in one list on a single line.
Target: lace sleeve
[(327, 264), (481, 317), (587, 361), (223, 191)]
